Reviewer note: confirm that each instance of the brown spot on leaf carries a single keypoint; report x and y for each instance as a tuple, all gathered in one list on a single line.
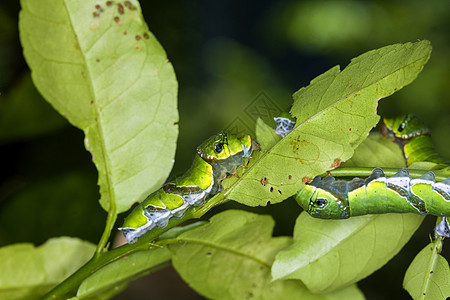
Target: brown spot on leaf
[(306, 152), (109, 3), (306, 180), (336, 163), (146, 36), (129, 5), (96, 14), (290, 176), (120, 8), (117, 20), (138, 37), (264, 181)]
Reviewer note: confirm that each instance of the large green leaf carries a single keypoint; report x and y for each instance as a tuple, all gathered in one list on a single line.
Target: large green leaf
[(334, 114), (230, 258), (102, 69), (27, 272), (428, 276), (331, 254)]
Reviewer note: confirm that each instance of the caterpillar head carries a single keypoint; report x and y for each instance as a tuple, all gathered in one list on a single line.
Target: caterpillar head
[(222, 146), (320, 203), (405, 127)]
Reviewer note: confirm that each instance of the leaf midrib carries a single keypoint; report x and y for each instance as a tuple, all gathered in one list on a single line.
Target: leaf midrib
[(112, 209), (223, 248)]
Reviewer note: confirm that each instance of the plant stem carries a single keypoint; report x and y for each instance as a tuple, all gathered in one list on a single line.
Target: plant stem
[(110, 221)]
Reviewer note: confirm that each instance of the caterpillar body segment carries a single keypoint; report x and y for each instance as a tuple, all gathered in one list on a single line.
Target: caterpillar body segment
[(216, 158)]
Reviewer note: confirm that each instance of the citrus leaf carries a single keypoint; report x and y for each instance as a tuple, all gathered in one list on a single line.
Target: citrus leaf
[(428, 276), (102, 69), (331, 254), (28, 272), (265, 135), (334, 115), (230, 258), (377, 151)]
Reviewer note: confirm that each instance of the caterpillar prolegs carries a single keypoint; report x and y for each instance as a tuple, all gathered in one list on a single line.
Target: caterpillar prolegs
[(216, 158)]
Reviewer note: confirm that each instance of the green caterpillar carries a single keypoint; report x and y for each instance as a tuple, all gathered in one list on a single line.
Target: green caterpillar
[(413, 137), (328, 198), (333, 199), (216, 158)]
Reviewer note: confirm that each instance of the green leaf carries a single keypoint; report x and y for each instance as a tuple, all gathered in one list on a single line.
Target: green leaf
[(428, 276), (266, 135), (330, 254), (334, 115), (120, 272), (28, 272), (103, 70), (24, 114), (105, 295), (377, 151), (230, 258)]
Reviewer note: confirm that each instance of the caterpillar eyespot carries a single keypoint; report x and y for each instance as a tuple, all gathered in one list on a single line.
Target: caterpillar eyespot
[(321, 202), (218, 148), (202, 181)]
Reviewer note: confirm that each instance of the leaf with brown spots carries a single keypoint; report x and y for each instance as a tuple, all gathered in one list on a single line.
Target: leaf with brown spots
[(124, 100)]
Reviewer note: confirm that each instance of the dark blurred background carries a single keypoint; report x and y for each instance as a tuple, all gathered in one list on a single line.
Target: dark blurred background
[(231, 58)]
